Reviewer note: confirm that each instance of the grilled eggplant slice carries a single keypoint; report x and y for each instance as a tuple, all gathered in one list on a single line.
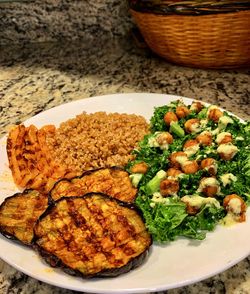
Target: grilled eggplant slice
[(113, 181), (92, 235), (19, 213)]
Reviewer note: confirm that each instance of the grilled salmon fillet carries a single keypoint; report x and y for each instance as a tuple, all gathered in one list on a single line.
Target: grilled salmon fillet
[(19, 213), (92, 235), (113, 181)]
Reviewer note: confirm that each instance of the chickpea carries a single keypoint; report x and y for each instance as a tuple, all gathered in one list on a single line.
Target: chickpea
[(190, 167), (140, 168), (209, 164), (227, 139), (170, 117), (174, 158), (190, 147), (189, 144), (173, 172), (209, 186), (196, 106), (210, 191), (182, 111), (224, 138), (227, 151), (226, 156), (164, 138), (205, 138), (215, 114), (192, 125), (169, 187), (191, 210), (236, 205)]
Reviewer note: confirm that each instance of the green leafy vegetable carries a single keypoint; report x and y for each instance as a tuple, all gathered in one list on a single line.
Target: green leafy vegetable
[(168, 218)]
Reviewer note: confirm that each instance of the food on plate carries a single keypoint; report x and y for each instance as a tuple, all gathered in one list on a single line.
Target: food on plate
[(92, 235), (103, 184), (97, 140), (30, 161), (235, 207), (94, 140), (140, 168), (118, 221), (40, 157), (113, 181), (198, 179), (19, 213)]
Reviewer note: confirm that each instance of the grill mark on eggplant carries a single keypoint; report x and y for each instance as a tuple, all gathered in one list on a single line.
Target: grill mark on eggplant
[(79, 221), (101, 221), (98, 221), (115, 183), (79, 217)]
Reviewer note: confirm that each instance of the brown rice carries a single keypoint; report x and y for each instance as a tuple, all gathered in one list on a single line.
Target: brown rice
[(97, 140)]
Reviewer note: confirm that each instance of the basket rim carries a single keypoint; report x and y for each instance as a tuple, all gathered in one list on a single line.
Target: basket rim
[(195, 7)]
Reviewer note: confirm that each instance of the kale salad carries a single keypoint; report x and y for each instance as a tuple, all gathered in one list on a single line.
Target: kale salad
[(192, 171)]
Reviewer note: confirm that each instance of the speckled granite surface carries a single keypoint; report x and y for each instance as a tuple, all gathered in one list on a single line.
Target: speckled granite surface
[(45, 75), (37, 77), (44, 21)]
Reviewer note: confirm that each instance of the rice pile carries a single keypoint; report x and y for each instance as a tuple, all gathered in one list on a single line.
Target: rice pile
[(96, 140)]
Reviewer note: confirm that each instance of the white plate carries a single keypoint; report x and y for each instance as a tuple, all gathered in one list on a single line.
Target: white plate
[(174, 265)]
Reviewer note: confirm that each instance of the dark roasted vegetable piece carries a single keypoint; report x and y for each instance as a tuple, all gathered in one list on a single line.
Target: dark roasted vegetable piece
[(113, 181), (92, 235), (19, 213)]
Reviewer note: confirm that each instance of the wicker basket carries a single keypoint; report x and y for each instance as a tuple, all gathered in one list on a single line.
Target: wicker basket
[(196, 34)]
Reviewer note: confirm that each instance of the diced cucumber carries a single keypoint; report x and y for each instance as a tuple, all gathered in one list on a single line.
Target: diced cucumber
[(202, 113), (176, 129), (135, 179), (154, 184)]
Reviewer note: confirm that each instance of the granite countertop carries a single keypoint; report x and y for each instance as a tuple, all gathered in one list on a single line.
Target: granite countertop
[(36, 77)]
